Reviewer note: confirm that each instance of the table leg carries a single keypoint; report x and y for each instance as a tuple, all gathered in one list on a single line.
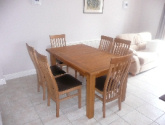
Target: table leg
[(90, 96), (52, 60)]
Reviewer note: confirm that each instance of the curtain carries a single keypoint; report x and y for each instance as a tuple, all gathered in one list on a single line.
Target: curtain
[(161, 29)]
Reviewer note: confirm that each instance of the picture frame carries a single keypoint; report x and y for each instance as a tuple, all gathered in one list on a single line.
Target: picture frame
[(93, 6)]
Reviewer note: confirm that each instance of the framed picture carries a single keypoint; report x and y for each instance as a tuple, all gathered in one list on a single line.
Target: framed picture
[(93, 6)]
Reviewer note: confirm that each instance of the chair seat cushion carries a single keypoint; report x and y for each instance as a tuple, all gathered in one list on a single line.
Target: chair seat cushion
[(56, 70), (100, 81), (67, 81)]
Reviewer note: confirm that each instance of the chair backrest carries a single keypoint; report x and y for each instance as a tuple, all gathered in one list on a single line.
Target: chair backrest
[(57, 40), (106, 43), (31, 52), (121, 47), (119, 67), (33, 57), (50, 80)]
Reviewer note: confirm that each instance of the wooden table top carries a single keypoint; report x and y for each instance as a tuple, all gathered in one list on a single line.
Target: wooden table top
[(85, 59)]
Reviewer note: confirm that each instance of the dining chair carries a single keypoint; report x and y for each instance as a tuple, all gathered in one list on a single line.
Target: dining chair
[(41, 81), (121, 47), (106, 43), (59, 41), (58, 86), (110, 86)]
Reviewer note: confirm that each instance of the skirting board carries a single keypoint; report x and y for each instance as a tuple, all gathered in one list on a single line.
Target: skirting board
[(20, 74), (0, 119), (2, 81), (93, 43)]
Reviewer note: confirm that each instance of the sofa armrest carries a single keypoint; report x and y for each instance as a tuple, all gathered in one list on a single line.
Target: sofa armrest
[(135, 65), (154, 46)]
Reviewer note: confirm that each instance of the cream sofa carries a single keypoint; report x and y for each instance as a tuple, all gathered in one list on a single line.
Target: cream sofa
[(145, 52)]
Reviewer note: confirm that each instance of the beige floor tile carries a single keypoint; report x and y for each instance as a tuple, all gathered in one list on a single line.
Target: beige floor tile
[(125, 109), (53, 120), (70, 109), (108, 119), (154, 123), (44, 110), (110, 116), (68, 103), (22, 104), (36, 100), (20, 118), (26, 106), (135, 118), (35, 122), (161, 120), (150, 111), (158, 103), (133, 101), (85, 121), (119, 122), (74, 115)]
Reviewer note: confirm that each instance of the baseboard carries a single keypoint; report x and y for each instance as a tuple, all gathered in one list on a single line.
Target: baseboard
[(2, 81), (93, 43), (20, 74)]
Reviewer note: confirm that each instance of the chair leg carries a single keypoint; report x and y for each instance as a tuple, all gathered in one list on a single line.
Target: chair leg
[(44, 92), (119, 103), (104, 101), (103, 110), (48, 103), (38, 84), (57, 108), (67, 69), (79, 98), (75, 73)]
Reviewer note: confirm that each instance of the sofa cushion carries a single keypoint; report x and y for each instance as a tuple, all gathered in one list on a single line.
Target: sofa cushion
[(146, 57), (145, 36), (137, 42), (142, 46), (135, 47), (129, 36)]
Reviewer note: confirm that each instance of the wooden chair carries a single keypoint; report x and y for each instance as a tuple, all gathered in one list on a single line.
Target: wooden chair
[(59, 41), (121, 47), (61, 85), (106, 43), (110, 86), (41, 81)]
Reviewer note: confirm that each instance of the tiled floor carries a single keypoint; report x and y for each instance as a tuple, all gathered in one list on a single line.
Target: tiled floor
[(21, 104)]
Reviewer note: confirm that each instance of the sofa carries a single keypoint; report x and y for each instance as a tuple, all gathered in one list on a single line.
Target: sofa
[(145, 54)]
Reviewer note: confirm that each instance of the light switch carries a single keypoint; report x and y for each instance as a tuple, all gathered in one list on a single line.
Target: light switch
[(125, 4), (36, 2)]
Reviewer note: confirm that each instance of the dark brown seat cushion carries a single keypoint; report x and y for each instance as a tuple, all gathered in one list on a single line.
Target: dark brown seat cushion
[(56, 70), (100, 81), (67, 81)]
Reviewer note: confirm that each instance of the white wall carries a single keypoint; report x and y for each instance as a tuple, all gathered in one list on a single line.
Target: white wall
[(22, 22), (151, 14)]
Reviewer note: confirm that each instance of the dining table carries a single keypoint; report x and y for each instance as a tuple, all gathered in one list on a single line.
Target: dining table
[(89, 62)]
